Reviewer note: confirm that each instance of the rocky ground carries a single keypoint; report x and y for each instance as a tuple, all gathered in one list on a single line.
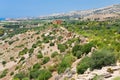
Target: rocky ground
[(10, 48)]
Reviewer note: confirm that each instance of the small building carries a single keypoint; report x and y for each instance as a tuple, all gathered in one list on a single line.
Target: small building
[(57, 22)]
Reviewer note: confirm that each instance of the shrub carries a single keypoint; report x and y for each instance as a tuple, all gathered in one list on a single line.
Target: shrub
[(40, 74), (3, 74), (96, 61), (20, 76), (52, 44), (12, 73), (60, 38), (87, 47), (11, 42), (39, 55), (79, 54), (17, 67), (31, 50), (24, 51), (12, 58), (34, 45), (36, 66), (79, 50), (62, 47), (22, 58), (46, 40), (45, 60), (45, 75), (66, 63), (75, 49), (3, 63), (54, 54), (34, 73), (52, 68), (83, 65), (102, 58)]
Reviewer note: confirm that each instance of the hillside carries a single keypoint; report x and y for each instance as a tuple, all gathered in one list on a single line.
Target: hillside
[(62, 49)]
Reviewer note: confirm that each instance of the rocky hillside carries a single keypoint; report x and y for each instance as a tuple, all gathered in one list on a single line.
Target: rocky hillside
[(23, 51), (67, 51)]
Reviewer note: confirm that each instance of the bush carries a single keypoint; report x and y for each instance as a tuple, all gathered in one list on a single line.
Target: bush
[(66, 63), (11, 42), (3, 63), (75, 49), (79, 54), (22, 58), (83, 65), (96, 61), (3, 74), (34, 74), (39, 55), (20, 76), (24, 51), (60, 38), (52, 44), (12, 58), (36, 66), (34, 46), (45, 60), (52, 68), (45, 75), (12, 73), (46, 39), (102, 58), (31, 50), (62, 47), (87, 47), (79, 50), (54, 54), (40, 74)]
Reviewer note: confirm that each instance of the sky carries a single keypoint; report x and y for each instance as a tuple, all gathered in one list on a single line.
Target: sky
[(35, 8)]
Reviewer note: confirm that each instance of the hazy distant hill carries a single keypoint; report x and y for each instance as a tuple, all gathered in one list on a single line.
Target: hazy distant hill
[(114, 9)]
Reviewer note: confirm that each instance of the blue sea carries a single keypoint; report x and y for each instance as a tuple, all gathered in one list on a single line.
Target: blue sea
[(1, 19)]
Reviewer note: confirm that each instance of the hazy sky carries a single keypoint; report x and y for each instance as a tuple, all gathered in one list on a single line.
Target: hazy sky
[(22, 8)]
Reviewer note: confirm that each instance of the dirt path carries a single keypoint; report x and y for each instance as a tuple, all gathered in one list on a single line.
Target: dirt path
[(8, 65)]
